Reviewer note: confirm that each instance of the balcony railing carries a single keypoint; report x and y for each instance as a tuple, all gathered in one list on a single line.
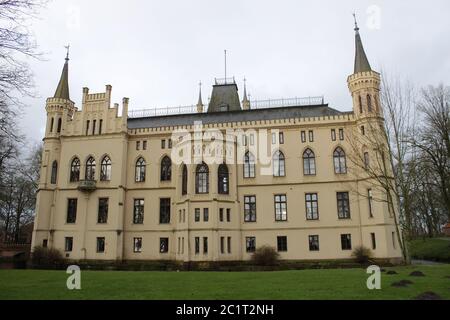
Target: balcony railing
[(87, 185), (254, 105)]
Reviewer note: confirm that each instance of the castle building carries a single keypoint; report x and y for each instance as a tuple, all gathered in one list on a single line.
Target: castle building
[(111, 188)]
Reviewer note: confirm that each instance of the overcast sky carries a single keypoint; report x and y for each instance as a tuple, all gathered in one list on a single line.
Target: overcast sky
[(156, 52)]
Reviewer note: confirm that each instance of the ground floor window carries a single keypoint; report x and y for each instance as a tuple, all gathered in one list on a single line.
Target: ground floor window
[(229, 244), (346, 241), (374, 241), (282, 244), (100, 245), (137, 245), (314, 243), (250, 244), (205, 245), (197, 245), (69, 244), (222, 245), (164, 245)]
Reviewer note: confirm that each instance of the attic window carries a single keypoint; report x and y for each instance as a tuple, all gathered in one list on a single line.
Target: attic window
[(223, 108)]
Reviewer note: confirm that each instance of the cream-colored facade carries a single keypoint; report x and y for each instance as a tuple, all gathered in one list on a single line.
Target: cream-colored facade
[(156, 219)]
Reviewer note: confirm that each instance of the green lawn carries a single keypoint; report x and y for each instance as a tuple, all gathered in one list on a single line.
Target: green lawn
[(430, 249), (302, 284)]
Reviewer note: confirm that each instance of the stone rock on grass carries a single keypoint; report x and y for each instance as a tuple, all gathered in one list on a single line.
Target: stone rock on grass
[(417, 274), (401, 284), (429, 295), (391, 272)]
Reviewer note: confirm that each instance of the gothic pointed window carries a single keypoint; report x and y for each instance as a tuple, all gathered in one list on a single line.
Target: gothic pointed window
[(184, 180), (54, 172), (360, 105), (75, 170), (59, 125), (90, 169), (224, 179), (105, 172), (340, 162), (202, 179), (249, 165), (140, 170), (166, 169), (278, 162), (369, 103), (309, 163)]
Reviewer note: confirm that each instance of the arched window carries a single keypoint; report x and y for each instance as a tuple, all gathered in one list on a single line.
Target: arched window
[(340, 163), (51, 125), (224, 179), (309, 163), (278, 161), (202, 179), (75, 170), (140, 170), (184, 181), (166, 169), (369, 103), (249, 165), (105, 172), (59, 125), (360, 105), (90, 169), (54, 172)]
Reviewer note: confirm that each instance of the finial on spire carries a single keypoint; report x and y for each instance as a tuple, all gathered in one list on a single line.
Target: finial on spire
[(245, 101), (356, 22), (68, 51), (200, 100)]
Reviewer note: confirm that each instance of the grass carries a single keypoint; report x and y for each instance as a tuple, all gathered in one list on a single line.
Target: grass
[(430, 249), (290, 285)]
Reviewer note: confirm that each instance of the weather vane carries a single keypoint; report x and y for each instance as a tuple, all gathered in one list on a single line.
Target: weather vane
[(68, 50), (356, 22)]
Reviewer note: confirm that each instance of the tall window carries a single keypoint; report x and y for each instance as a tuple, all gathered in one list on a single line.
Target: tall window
[(54, 175), (314, 243), (164, 245), (94, 123), (197, 245), (280, 207), (184, 180), (164, 211), (197, 215), (340, 162), (75, 170), (205, 245), (311, 136), (205, 214), (59, 125), (137, 245), (68, 247), (105, 171), (90, 169), (140, 170), (333, 134), (343, 204), (202, 179), (374, 241), (72, 210), (100, 245), (138, 211), (250, 208), (312, 206), (166, 169), (282, 244), (224, 179), (360, 104), (370, 200), (341, 134), (303, 136), (87, 127), (309, 163), (103, 210), (100, 128), (369, 103), (229, 244), (250, 244), (52, 124), (366, 160), (222, 245), (346, 241), (278, 162), (249, 165)]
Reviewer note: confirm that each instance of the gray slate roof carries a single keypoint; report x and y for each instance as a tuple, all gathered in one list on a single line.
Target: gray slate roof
[(233, 116), (224, 96)]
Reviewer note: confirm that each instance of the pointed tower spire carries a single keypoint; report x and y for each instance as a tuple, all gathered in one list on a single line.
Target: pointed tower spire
[(200, 101), (62, 92), (361, 62), (245, 102)]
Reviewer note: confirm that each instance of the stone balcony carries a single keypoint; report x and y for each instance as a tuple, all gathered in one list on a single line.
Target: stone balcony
[(87, 186)]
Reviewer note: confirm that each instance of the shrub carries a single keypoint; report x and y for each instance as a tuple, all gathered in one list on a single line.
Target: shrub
[(47, 258), (362, 254), (265, 256)]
